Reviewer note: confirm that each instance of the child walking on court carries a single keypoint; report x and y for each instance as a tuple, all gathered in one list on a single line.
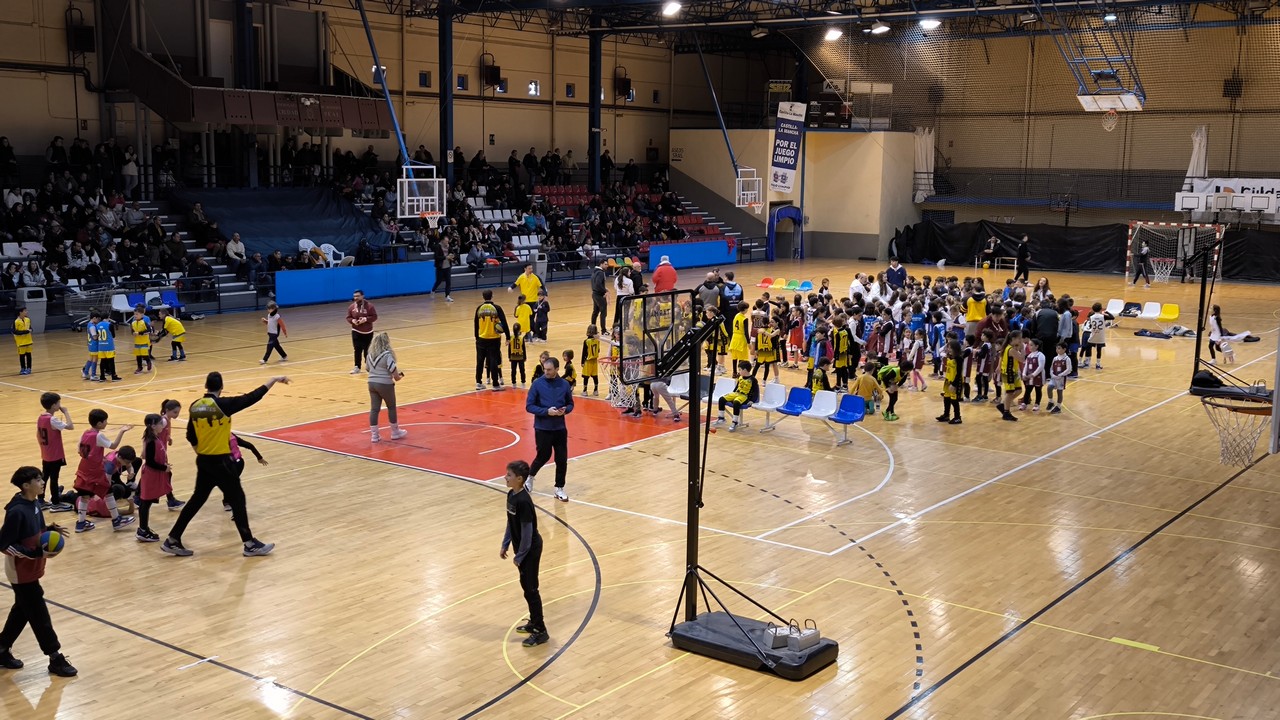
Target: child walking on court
[(515, 352), (275, 329), (157, 475), (522, 536), (22, 336), (541, 316), (53, 457), (91, 475), (107, 350), (867, 385), (170, 409), (24, 565), (1059, 371), (1010, 373), (591, 361), (170, 325), (767, 341), (915, 353), (524, 316), (891, 378), (141, 326)]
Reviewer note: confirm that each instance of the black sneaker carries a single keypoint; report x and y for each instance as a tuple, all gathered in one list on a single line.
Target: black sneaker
[(9, 662), (257, 548), (59, 666), (537, 638), (173, 547), (526, 629), (955, 421), (146, 536), (943, 418)]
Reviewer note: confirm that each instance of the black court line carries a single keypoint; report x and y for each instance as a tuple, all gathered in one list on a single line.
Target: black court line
[(202, 658), (1070, 591)]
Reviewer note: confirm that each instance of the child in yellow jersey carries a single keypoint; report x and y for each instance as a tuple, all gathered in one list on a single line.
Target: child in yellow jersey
[(739, 346), (590, 361), (951, 379), (746, 392), (867, 385), (170, 325), (566, 371), (524, 316), (141, 326), (818, 379), (1010, 372), (767, 341), (22, 336), (515, 354)]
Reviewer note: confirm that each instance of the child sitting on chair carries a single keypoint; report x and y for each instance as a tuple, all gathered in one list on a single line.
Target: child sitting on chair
[(746, 392)]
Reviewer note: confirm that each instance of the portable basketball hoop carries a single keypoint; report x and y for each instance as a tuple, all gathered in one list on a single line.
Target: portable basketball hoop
[(748, 189), (1240, 420), (620, 394), (1110, 119), (1162, 268)]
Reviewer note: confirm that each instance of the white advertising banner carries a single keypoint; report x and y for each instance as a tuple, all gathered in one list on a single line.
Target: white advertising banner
[(787, 137)]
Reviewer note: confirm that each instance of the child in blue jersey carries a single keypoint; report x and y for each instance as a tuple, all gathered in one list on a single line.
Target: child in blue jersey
[(107, 351), (90, 370)]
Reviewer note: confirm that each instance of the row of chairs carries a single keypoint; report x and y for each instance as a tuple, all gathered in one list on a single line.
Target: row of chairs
[(124, 303), (1165, 315), (487, 215), (799, 402), (784, 284), (332, 255)]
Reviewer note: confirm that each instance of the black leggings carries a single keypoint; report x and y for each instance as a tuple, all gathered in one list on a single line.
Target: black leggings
[(144, 514), (51, 471), (949, 405), (893, 401), (599, 308), (360, 343), (444, 276), (1026, 394), (29, 608), (24, 361), (107, 368), (735, 404), (517, 365), (489, 360), (529, 583), (215, 471), (273, 343), (1141, 271), (548, 441)]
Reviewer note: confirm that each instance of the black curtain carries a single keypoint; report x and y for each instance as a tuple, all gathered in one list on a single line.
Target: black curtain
[(1081, 249), (1251, 255)]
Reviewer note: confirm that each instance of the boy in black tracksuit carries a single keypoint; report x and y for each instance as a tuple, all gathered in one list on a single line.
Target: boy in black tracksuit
[(522, 536), (24, 566)]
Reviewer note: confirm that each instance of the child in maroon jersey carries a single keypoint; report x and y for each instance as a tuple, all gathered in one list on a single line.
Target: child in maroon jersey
[(53, 457), (91, 475)]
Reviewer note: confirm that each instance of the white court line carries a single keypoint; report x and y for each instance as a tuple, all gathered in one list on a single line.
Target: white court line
[(885, 481), (1097, 433)]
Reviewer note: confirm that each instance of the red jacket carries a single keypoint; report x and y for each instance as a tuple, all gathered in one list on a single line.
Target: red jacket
[(365, 312), (664, 278)]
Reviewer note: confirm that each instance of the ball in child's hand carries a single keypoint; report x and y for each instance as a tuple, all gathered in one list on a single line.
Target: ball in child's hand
[(53, 542)]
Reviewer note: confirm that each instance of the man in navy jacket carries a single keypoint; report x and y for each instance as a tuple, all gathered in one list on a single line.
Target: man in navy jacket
[(550, 399)]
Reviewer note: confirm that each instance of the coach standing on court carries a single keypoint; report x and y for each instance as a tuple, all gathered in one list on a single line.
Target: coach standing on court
[(490, 328), (1023, 260), (209, 432), (360, 316), (599, 297), (550, 398), (665, 276)]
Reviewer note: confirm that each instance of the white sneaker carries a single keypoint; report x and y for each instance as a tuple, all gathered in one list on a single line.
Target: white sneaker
[(374, 436), (448, 299), (354, 371), (528, 483), (561, 495), (397, 434), (479, 386), (262, 362), (1084, 363)]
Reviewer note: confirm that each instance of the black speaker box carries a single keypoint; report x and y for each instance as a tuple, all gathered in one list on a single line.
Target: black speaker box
[(1233, 87), (492, 75), (621, 86)]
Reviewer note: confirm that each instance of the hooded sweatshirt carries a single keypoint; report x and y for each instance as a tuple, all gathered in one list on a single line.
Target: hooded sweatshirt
[(20, 540)]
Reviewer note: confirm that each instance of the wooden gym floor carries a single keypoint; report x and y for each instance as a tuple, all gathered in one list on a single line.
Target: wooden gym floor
[(1095, 564)]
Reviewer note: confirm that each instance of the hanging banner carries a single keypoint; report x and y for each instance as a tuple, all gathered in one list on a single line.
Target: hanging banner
[(787, 137), (1245, 186)]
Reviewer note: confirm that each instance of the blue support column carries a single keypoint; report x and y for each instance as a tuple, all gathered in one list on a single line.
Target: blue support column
[(243, 47), (381, 78), (445, 28), (595, 61)]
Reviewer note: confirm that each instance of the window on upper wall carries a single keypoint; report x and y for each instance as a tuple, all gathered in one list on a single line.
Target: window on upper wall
[(631, 95), (502, 86), (657, 97), (535, 88), (462, 82), (570, 90), (424, 79)]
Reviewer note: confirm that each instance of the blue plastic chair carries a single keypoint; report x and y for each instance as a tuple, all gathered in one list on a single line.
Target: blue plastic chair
[(805, 286), (799, 399), (853, 408), (135, 298), (170, 299)]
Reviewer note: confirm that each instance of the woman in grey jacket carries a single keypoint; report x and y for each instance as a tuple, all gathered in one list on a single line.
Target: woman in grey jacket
[(383, 376)]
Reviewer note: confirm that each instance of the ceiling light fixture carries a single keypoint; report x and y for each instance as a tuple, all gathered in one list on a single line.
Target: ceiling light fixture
[(670, 9), (879, 28), (758, 32), (1110, 17), (833, 34), (930, 23), (1028, 18)]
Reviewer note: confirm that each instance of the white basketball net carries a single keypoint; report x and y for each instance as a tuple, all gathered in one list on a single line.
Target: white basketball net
[(1240, 423), (1162, 268), (1110, 120)]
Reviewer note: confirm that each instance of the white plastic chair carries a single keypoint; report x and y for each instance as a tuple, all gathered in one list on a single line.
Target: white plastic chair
[(332, 255), (1114, 307), (724, 386), (824, 405), (679, 385), (771, 398), (305, 245), (120, 304), (153, 301), (1150, 311)]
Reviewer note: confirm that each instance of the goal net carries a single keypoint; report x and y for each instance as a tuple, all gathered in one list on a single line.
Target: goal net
[(1172, 249)]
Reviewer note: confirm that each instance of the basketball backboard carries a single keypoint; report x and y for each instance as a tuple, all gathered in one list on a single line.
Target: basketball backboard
[(648, 327)]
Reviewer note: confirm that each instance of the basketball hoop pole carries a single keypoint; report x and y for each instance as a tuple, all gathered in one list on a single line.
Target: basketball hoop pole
[(1201, 320), (695, 485)]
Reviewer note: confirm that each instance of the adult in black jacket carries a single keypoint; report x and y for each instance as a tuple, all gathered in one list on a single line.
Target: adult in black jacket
[(1044, 326), (599, 296)]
